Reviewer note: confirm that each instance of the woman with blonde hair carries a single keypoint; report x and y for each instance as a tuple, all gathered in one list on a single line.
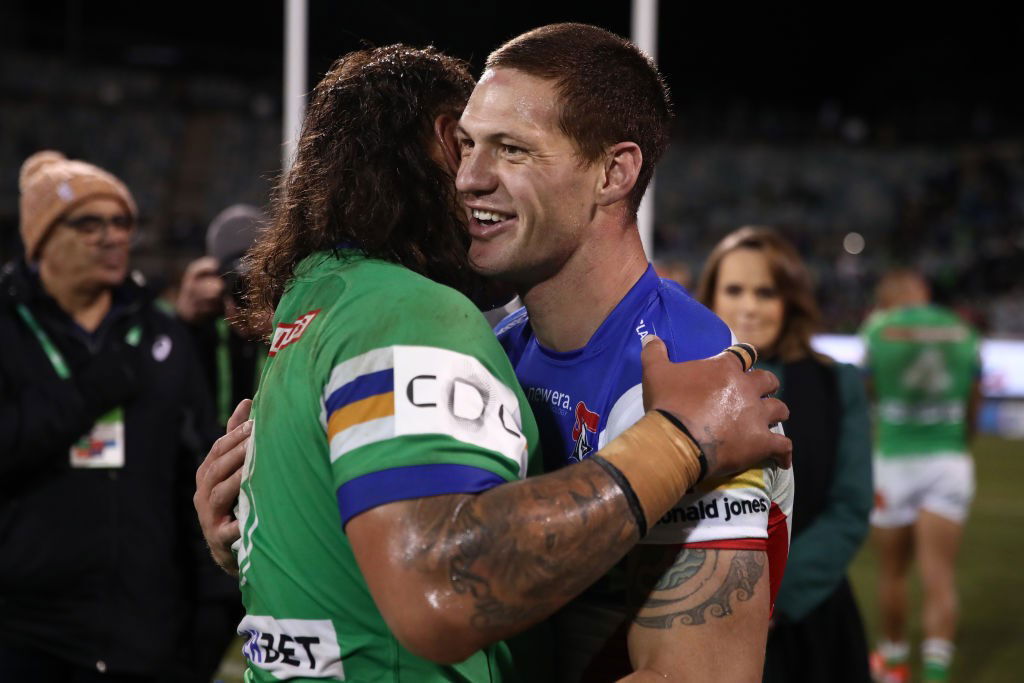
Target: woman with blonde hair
[(756, 282)]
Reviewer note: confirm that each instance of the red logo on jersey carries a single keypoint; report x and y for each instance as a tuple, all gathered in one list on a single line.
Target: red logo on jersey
[(586, 421), (289, 333)]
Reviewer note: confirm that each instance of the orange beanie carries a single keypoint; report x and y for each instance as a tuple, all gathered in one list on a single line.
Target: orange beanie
[(51, 185)]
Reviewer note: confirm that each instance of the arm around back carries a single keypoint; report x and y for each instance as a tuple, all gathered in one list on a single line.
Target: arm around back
[(452, 573)]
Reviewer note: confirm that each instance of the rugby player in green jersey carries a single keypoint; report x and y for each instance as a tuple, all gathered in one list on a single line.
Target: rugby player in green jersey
[(387, 530), (924, 370)]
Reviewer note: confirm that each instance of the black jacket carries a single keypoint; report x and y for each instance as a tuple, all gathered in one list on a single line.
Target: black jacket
[(98, 565)]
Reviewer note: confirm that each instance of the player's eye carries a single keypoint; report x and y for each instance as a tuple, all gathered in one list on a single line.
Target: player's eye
[(465, 145), (767, 293), (512, 149)]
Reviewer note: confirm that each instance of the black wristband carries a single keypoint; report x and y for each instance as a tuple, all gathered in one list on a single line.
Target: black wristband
[(627, 491), (701, 458)]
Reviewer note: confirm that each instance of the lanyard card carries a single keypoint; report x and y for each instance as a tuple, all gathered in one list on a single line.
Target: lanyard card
[(103, 446)]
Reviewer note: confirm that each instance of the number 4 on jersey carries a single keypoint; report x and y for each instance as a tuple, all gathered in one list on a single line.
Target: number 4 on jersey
[(928, 373)]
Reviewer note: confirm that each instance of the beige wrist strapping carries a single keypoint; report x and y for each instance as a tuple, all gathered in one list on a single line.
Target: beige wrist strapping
[(654, 462)]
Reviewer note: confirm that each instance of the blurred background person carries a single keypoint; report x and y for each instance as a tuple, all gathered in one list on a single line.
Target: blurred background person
[(924, 370), (756, 282), (232, 356), (103, 412), (232, 353)]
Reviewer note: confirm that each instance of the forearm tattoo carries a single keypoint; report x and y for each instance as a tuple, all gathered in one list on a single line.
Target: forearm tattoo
[(520, 551), (690, 586), (709, 446)]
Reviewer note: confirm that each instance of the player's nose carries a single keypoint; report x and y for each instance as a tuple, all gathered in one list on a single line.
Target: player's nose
[(476, 173)]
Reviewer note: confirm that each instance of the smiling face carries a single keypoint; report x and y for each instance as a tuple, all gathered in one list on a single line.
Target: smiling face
[(529, 198), (747, 298)]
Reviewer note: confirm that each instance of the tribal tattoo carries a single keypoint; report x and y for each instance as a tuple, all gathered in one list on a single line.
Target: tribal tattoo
[(690, 586), (569, 528)]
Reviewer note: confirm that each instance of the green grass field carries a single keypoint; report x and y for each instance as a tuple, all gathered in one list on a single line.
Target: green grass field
[(990, 645)]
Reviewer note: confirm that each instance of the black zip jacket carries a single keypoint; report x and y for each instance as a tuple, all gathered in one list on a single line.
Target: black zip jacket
[(98, 566)]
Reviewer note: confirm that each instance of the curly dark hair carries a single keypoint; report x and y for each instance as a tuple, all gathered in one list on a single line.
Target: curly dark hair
[(364, 175)]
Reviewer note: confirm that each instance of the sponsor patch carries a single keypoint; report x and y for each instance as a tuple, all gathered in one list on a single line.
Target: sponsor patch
[(292, 648), (442, 391), (721, 515), (289, 333), (545, 396), (938, 335), (406, 390)]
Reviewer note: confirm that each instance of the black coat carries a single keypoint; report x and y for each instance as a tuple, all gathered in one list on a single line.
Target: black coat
[(818, 633), (98, 565)]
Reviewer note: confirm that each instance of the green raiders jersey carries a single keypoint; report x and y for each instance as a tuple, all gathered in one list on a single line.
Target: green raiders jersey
[(381, 386), (923, 361)]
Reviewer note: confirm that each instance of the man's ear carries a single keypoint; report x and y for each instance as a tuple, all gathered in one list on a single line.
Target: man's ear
[(444, 130), (621, 169)]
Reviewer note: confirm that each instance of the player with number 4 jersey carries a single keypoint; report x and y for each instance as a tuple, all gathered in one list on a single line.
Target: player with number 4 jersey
[(923, 364)]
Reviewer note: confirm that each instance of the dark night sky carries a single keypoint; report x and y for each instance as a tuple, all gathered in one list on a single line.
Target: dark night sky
[(856, 48), (867, 57)]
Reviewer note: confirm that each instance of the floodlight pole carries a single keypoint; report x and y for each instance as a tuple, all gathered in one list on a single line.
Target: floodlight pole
[(296, 47), (645, 36)]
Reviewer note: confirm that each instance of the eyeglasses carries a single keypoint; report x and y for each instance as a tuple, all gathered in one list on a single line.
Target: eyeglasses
[(91, 226)]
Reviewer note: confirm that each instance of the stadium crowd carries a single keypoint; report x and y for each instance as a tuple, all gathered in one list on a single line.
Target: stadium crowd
[(948, 204)]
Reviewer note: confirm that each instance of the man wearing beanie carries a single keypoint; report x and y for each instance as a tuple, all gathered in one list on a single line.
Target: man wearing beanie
[(103, 410)]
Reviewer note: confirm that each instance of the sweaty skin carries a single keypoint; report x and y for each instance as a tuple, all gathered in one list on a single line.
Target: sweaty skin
[(453, 573)]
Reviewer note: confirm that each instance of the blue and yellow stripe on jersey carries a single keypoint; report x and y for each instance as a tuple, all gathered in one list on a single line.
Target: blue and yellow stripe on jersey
[(368, 397), (362, 408), (359, 402)]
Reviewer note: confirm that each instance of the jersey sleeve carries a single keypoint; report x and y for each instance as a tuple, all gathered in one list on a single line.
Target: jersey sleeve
[(733, 512), (407, 421)]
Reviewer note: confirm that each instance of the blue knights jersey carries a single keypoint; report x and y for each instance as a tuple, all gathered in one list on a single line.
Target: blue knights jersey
[(582, 399)]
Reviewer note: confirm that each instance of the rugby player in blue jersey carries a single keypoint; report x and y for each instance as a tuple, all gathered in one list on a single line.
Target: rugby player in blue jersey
[(558, 143)]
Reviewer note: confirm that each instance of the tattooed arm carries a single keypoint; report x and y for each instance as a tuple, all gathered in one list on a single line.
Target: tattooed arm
[(453, 573), (699, 614)]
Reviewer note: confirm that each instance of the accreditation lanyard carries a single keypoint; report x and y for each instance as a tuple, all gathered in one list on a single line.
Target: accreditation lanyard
[(224, 380), (103, 445)]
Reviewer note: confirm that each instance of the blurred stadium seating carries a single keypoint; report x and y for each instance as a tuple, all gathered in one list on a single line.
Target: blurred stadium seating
[(190, 145)]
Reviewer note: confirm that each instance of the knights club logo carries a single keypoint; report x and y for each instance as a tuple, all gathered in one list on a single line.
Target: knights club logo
[(584, 432)]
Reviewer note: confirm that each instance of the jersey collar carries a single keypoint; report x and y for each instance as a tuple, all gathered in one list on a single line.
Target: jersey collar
[(623, 315)]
